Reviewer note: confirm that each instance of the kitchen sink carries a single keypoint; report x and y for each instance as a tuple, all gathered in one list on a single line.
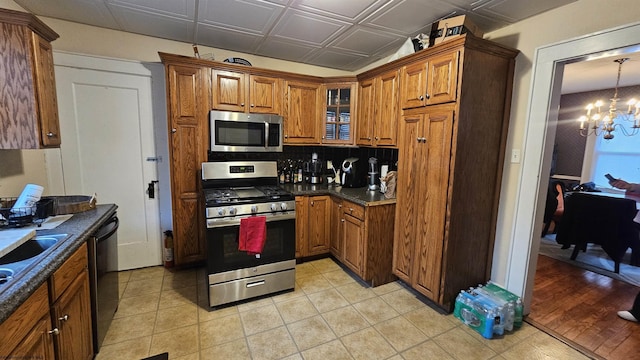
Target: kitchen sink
[(24, 255)]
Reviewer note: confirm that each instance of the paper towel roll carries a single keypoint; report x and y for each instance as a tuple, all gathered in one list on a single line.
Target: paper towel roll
[(383, 170), (28, 198)]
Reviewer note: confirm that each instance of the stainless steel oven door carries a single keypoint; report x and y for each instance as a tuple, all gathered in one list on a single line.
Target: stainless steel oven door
[(222, 243)]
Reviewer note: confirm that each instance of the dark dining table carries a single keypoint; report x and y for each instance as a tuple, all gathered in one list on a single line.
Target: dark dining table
[(602, 218)]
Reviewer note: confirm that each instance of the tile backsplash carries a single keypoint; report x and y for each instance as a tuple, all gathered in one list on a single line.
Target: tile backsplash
[(303, 153)]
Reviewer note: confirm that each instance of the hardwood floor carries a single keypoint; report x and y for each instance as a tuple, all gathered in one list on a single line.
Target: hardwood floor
[(579, 307)]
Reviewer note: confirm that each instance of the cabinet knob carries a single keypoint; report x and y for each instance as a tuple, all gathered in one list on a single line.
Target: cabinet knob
[(286, 136), (340, 206), (420, 97), (55, 331), (173, 131), (369, 138), (322, 137), (252, 105), (312, 203), (428, 96), (64, 318), (350, 209), (377, 138), (241, 104), (341, 220), (50, 134)]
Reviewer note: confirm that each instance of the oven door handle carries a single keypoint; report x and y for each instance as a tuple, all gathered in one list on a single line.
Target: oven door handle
[(216, 223)]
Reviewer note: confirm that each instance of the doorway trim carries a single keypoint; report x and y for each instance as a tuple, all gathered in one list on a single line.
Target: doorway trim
[(544, 100)]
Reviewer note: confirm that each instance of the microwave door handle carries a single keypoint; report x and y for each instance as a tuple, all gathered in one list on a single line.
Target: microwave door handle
[(266, 134)]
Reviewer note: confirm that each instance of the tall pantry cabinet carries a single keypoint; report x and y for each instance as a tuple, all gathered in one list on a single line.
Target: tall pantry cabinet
[(455, 100), (188, 106)]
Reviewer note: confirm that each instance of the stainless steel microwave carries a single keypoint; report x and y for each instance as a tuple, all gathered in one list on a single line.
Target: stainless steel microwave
[(241, 132)]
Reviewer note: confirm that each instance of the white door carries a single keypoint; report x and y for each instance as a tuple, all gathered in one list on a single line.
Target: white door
[(106, 121)]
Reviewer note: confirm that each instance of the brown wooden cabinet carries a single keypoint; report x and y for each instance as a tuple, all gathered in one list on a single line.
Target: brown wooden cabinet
[(427, 138), (28, 89), (335, 235), (71, 307), (430, 82), (367, 240), (188, 131), (302, 112), (27, 333), (233, 91), (445, 222), (378, 110), (339, 114), (313, 221)]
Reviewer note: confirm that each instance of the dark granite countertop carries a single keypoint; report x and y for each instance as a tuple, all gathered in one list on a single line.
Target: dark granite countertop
[(360, 196), (79, 227)]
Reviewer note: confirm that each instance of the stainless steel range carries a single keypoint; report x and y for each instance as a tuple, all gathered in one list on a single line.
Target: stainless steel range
[(237, 190)]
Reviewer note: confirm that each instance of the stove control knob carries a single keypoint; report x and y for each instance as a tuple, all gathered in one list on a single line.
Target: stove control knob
[(254, 209), (274, 207), (221, 212), (232, 211), (283, 206)]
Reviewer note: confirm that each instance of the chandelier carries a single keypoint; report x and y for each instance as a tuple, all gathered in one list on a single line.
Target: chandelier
[(605, 123)]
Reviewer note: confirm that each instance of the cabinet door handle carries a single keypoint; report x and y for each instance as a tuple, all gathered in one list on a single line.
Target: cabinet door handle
[(55, 331), (428, 96), (64, 318), (350, 209), (340, 206), (241, 104), (377, 138), (50, 134), (173, 131), (369, 138), (420, 97), (286, 136), (252, 105), (312, 203), (341, 220)]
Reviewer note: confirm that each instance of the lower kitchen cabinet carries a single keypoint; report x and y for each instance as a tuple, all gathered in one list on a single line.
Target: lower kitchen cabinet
[(313, 221), (367, 241), (335, 237), (27, 333), (71, 307)]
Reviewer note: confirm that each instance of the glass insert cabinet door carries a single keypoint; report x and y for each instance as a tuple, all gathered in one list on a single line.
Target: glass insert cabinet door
[(338, 121)]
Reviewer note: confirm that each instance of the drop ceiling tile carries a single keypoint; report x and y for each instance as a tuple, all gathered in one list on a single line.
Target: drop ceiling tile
[(516, 10), (365, 40), (335, 59), (407, 16), (302, 26), (184, 9), (282, 49), (146, 23), (228, 39), (249, 16), (91, 12), (350, 10)]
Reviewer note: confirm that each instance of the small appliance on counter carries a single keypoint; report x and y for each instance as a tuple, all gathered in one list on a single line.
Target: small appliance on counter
[(373, 174), (314, 171), (353, 173)]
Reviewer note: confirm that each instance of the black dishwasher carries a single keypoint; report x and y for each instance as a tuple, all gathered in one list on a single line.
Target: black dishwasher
[(103, 273)]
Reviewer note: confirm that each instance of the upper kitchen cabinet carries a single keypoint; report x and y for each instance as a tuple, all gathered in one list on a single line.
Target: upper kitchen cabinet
[(378, 110), (29, 113), (430, 82), (235, 91), (339, 113), (302, 112)]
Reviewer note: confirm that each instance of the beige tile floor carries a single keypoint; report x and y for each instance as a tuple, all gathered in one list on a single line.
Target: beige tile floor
[(329, 316)]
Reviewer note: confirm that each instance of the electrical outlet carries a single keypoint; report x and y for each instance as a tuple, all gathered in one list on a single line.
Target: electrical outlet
[(515, 156)]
